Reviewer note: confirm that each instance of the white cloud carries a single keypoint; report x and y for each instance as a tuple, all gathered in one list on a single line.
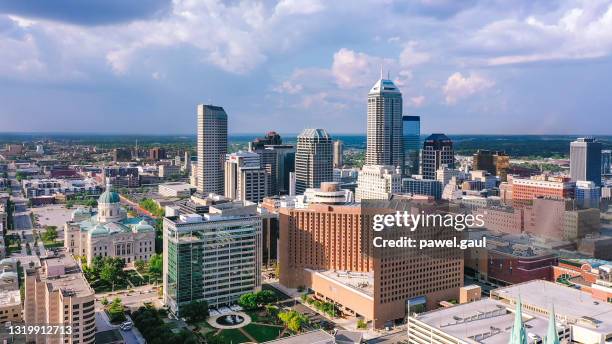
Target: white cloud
[(417, 101), (290, 7), (410, 57), (354, 69), (578, 33), (458, 87), (289, 87)]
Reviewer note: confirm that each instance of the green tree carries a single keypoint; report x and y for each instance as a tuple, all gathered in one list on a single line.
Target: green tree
[(195, 311), (116, 311), (248, 301), (156, 265), (50, 234), (293, 320), (111, 270), (140, 265), (265, 297)]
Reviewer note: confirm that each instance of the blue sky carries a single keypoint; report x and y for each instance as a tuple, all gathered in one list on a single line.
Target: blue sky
[(467, 67)]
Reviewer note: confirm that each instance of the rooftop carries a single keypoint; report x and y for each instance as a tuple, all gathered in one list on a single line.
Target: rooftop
[(471, 320), (384, 86), (62, 273), (10, 297), (570, 303), (312, 337), (360, 281)]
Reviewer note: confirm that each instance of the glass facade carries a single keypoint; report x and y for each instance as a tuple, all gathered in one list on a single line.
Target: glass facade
[(412, 143)]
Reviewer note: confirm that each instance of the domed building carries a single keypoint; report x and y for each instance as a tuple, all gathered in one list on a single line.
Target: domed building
[(108, 231)]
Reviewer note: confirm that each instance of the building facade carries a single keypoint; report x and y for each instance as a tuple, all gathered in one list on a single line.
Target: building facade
[(585, 160), (412, 144), (245, 179), (56, 293), (437, 151), (211, 257), (313, 159), (211, 147), (378, 182), (109, 232), (384, 130), (338, 154)]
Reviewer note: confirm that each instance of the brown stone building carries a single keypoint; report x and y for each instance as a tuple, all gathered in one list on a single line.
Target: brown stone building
[(328, 249)]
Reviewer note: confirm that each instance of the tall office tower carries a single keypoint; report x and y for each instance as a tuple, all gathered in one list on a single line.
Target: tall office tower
[(385, 143), (482, 160), (272, 152), (214, 257), (313, 159), (57, 293), (378, 182), (437, 151), (606, 162), (502, 165), (187, 162), (245, 179), (285, 164), (412, 144), (212, 147), (338, 154), (585, 160)]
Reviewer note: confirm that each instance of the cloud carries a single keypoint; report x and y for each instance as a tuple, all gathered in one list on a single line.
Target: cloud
[(458, 87), (578, 33), (355, 69), (90, 12), (291, 7), (417, 101), (410, 57), (289, 87)]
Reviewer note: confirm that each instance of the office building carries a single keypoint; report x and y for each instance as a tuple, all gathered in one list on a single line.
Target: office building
[(585, 160), (157, 153), (593, 276), (384, 130), (445, 174), (245, 179), (121, 177), (412, 144), (211, 147), (526, 189), (424, 187), (57, 293), (437, 151), (271, 138), (175, 189), (169, 171), (122, 155), (378, 182), (606, 162), (187, 162), (313, 159), (211, 257), (338, 154), (109, 232), (588, 194)]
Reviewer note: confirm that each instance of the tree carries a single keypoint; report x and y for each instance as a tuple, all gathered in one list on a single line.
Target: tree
[(265, 297), (248, 301), (111, 270), (69, 204), (116, 312), (104, 301), (293, 320), (140, 265), (156, 265), (50, 234), (361, 324), (91, 203), (195, 311)]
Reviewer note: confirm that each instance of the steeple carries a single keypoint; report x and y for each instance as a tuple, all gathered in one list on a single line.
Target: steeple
[(518, 334), (552, 336)]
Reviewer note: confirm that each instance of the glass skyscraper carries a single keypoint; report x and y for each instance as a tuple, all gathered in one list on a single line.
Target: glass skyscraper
[(412, 143), (585, 160)]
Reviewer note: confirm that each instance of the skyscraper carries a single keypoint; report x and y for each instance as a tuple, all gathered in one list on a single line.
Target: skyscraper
[(585, 160), (606, 162), (437, 151), (385, 142), (245, 178), (338, 154), (313, 159), (212, 147), (412, 143), (277, 159)]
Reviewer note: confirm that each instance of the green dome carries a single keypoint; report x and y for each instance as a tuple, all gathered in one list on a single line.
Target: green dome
[(109, 197), (98, 230), (143, 226)]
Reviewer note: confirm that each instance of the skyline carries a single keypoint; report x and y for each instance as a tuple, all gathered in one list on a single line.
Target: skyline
[(471, 68)]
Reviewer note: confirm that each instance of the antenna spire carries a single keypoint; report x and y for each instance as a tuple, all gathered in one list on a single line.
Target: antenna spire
[(381, 71)]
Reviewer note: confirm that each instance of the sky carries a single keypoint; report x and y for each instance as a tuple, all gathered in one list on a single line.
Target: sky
[(466, 67)]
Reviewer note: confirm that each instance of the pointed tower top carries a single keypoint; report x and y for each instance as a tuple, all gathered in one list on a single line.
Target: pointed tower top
[(552, 336), (381, 72), (518, 334)]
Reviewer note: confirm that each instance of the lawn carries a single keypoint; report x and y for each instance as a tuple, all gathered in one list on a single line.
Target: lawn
[(134, 278), (233, 336), (53, 244), (263, 333)]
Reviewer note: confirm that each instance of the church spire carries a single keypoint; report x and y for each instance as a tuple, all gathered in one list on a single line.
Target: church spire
[(552, 336), (518, 334)]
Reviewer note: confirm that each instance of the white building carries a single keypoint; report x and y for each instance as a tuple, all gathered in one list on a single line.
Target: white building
[(211, 147), (378, 182), (109, 232), (245, 179), (175, 189)]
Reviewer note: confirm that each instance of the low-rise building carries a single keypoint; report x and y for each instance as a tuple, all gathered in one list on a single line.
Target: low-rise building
[(109, 232), (175, 189)]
